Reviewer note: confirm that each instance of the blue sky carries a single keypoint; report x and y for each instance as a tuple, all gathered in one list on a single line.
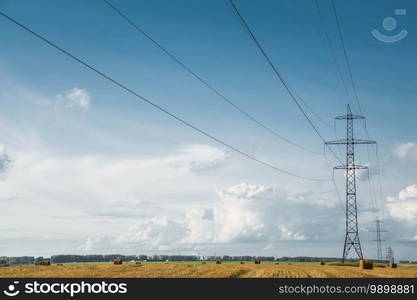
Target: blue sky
[(60, 141)]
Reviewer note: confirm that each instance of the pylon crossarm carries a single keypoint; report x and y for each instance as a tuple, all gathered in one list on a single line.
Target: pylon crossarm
[(352, 141), (356, 167), (350, 117)]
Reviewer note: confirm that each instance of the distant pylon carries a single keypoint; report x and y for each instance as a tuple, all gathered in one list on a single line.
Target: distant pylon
[(352, 235), (378, 238), (390, 255)]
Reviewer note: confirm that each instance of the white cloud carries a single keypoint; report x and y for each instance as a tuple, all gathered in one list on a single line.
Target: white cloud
[(242, 213), (200, 159), (57, 191), (409, 192), (403, 214), (156, 232), (404, 208), (76, 98), (406, 150), (4, 158), (101, 242), (289, 235), (104, 178), (98, 190)]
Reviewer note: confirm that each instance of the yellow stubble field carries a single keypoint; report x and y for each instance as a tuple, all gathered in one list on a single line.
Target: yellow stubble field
[(199, 270)]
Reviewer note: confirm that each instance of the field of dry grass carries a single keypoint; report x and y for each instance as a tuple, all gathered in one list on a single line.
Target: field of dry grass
[(198, 270)]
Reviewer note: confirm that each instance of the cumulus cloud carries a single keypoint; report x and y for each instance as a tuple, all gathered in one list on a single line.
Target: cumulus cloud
[(90, 177), (402, 211), (4, 158), (58, 193), (100, 242), (236, 216), (243, 213), (76, 98), (158, 231), (406, 150), (105, 192), (404, 208)]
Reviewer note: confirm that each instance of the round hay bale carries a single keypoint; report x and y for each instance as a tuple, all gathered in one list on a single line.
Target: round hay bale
[(218, 262), (257, 261), (242, 262), (366, 264), (118, 261), (322, 263)]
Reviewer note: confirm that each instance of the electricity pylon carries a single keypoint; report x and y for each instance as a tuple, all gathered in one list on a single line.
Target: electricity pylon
[(378, 239), (390, 255), (352, 235)]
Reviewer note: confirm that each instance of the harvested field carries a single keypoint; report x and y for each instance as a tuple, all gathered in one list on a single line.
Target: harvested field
[(198, 270)]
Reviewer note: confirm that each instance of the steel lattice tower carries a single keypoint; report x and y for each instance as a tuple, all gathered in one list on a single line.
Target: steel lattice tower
[(378, 239), (352, 235), (390, 255)]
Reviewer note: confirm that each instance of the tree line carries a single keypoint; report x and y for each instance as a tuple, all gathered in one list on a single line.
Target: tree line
[(70, 258)]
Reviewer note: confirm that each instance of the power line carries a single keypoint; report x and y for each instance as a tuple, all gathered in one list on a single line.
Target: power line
[(371, 187), (385, 215), (359, 106), (372, 196), (380, 204), (318, 117), (277, 73), (379, 170), (339, 30), (336, 136), (336, 189), (358, 103), (203, 81), (50, 43), (332, 51), (334, 59), (374, 201), (290, 91)]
